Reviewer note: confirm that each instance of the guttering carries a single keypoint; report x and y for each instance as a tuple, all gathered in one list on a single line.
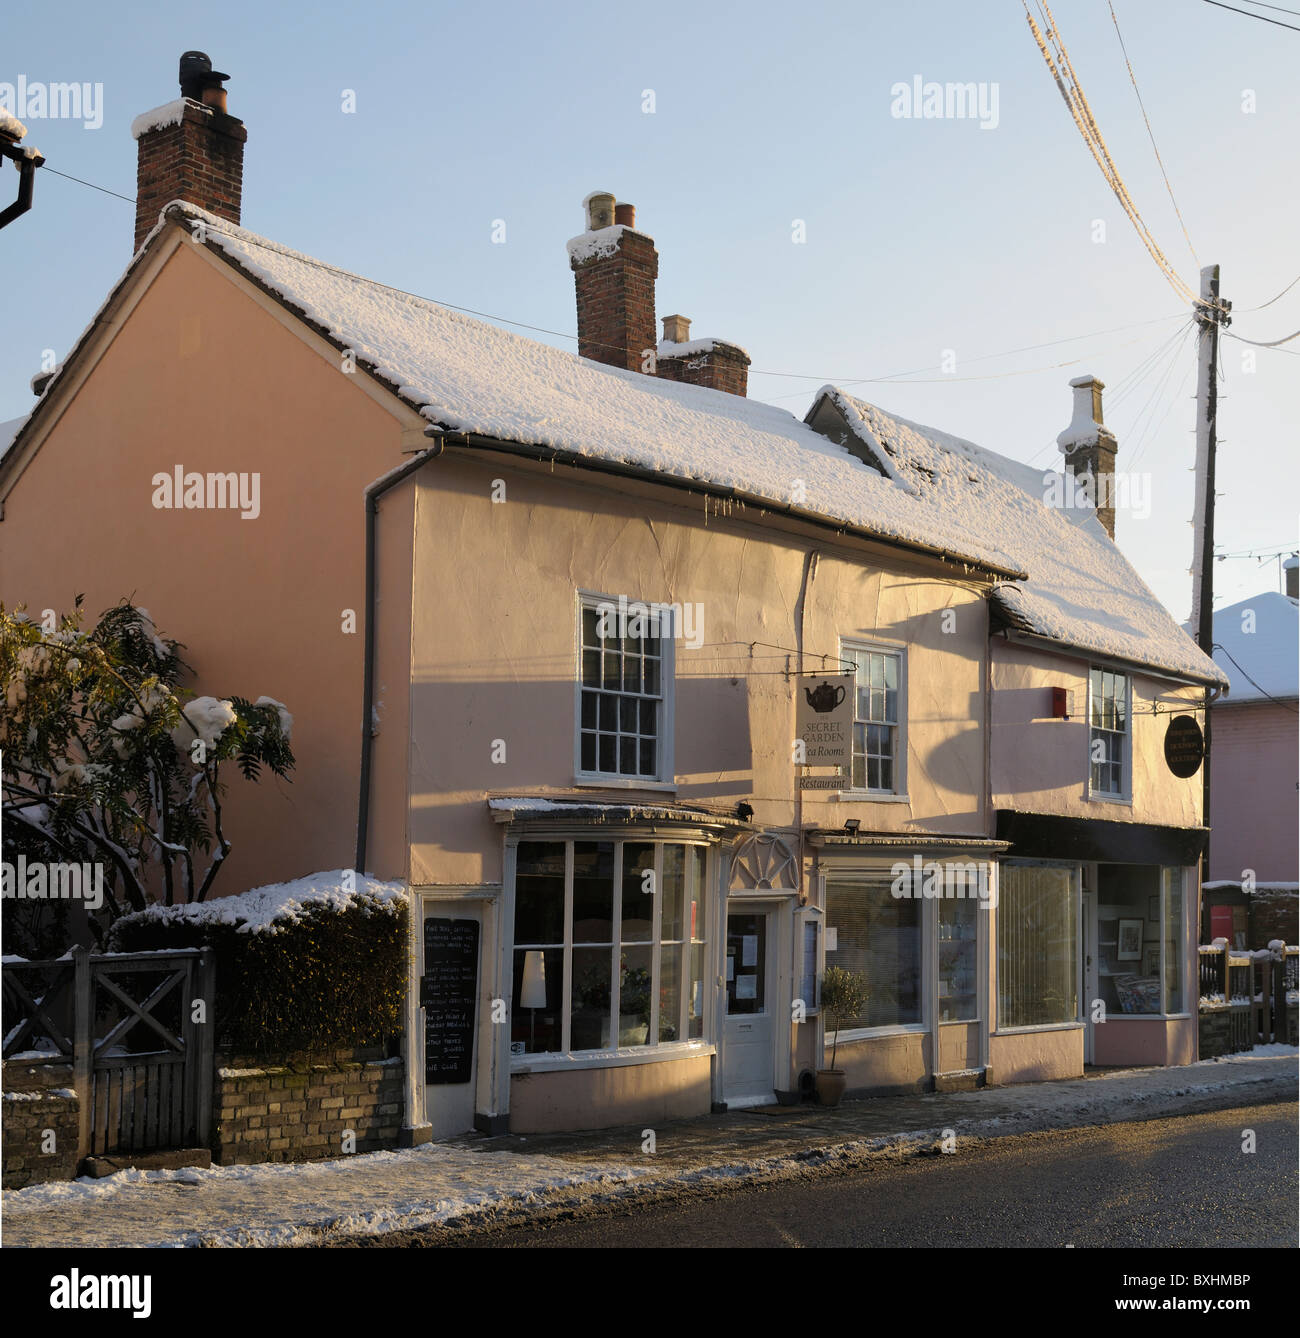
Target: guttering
[(373, 493), (1040, 642), (554, 455)]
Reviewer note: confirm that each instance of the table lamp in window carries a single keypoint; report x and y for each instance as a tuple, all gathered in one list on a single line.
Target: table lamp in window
[(532, 994)]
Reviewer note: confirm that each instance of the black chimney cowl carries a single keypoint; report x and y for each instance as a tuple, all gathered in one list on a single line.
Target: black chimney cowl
[(196, 74)]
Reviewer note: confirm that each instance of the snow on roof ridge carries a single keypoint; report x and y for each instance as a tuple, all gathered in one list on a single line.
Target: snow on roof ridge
[(1081, 590)]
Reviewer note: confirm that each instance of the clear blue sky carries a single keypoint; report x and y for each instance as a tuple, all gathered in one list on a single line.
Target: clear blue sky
[(922, 235)]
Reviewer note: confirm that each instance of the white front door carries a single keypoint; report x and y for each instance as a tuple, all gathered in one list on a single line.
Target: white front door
[(747, 1075)]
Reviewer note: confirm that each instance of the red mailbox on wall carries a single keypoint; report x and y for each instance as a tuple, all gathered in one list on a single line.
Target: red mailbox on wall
[(1060, 703)]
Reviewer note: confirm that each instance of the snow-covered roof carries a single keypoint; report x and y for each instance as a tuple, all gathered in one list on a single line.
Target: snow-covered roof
[(8, 431), (1080, 590), (1266, 654), (524, 808), (924, 489), (472, 377)]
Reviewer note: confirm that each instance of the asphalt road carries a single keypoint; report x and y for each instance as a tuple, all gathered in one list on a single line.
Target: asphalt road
[(1158, 1183)]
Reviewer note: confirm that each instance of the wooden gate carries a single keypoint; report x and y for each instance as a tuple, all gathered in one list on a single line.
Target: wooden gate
[(136, 1028)]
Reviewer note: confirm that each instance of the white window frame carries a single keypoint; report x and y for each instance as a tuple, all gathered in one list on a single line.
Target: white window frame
[(898, 794), (663, 776), (567, 1057), (1125, 794)]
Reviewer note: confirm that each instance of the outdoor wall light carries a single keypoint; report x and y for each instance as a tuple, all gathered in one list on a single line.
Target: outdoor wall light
[(851, 826)]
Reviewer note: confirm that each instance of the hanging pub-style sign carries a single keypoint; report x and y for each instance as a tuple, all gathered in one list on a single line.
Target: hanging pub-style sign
[(823, 719), (1184, 746)]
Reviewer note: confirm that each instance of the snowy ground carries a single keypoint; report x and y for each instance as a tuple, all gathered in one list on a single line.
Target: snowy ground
[(385, 1191)]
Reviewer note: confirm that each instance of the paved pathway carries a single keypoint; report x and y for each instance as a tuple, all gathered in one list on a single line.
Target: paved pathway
[(515, 1177)]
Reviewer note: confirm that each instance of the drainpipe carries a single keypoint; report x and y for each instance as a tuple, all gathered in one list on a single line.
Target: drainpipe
[(27, 161), (373, 493)]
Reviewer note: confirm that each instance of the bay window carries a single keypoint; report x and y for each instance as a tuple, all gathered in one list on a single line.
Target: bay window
[(609, 944)]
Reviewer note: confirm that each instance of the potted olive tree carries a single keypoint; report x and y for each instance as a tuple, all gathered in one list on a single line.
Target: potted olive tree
[(844, 996)]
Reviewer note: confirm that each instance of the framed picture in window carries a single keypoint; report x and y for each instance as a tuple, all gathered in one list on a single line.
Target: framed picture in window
[(1151, 960), (1129, 947), (1153, 909)]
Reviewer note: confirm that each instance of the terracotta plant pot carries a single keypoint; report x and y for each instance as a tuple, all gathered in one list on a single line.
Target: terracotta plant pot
[(830, 1086)]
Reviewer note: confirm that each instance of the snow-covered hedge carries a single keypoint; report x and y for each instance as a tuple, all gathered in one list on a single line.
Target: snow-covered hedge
[(313, 964)]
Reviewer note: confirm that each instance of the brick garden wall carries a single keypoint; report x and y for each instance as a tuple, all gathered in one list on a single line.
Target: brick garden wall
[(37, 1098), (300, 1108)]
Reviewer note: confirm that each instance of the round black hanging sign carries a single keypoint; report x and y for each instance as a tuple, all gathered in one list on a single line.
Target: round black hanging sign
[(1184, 746)]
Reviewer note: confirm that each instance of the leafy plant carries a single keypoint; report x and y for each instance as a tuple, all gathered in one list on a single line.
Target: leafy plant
[(844, 996), (107, 759)]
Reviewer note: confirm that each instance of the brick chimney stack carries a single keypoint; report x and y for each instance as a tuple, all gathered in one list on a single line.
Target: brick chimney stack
[(191, 149), (615, 268), (701, 362), (1089, 448)]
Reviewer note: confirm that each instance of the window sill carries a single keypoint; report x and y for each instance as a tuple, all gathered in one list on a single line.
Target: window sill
[(1146, 1017), (1045, 1026), (1124, 801), (622, 783), (609, 1059), (869, 797), (882, 1033)]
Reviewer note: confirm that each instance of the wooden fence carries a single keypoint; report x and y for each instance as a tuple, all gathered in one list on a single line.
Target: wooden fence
[(136, 1030), (1253, 987)]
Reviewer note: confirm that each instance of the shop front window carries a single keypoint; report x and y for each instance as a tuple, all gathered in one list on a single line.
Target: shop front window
[(1129, 902), (609, 945), (1038, 946), (959, 912), (878, 935)]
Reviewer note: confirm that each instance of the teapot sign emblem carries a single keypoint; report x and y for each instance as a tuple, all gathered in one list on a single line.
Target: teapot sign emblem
[(825, 697)]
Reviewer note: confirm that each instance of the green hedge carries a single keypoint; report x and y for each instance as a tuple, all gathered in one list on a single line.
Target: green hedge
[(325, 979)]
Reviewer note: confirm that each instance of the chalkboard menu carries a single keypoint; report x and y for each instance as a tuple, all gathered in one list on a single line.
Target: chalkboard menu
[(447, 991)]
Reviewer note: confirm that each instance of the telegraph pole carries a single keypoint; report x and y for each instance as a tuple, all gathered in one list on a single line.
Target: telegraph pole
[(1210, 314)]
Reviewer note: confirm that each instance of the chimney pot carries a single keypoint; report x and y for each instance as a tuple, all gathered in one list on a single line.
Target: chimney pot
[(677, 330), (625, 215), (192, 150), (600, 210)]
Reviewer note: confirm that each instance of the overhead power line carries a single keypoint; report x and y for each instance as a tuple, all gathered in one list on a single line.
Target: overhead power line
[(1151, 133), (1263, 18), (1067, 81), (1281, 295), (103, 189)]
